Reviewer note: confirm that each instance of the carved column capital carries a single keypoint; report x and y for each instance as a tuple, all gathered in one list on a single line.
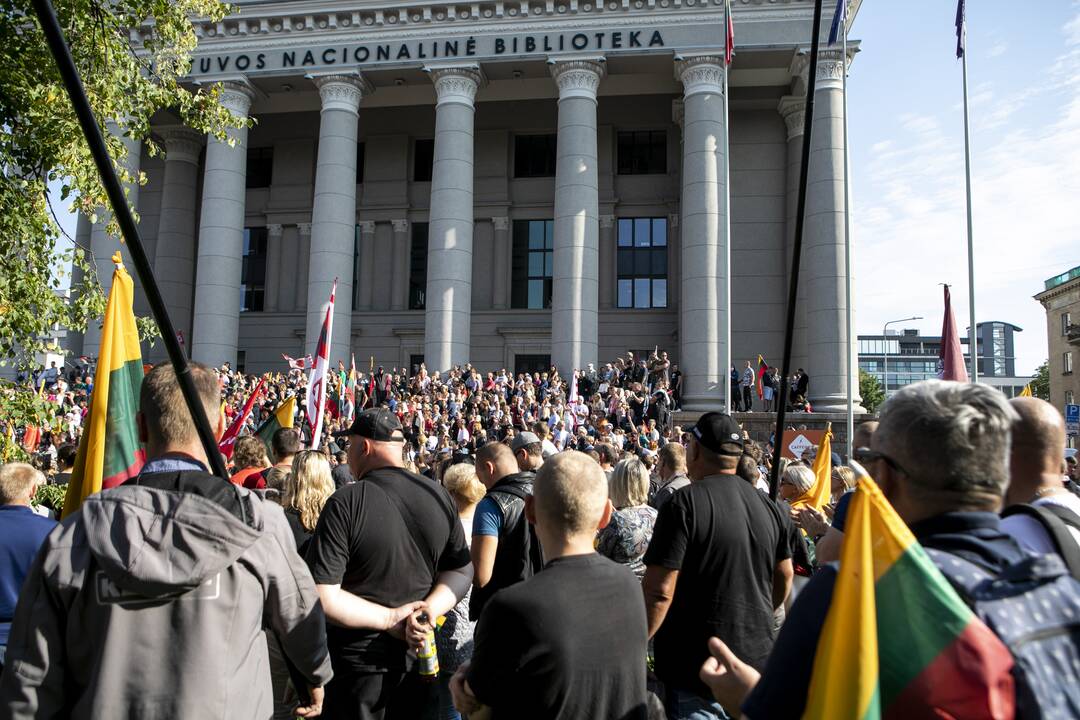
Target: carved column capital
[(400, 226), (607, 221), (701, 74), (577, 78), (342, 92), (456, 83), (501, 223), (304, 229), (274, 229), (236, 97), (182, 144), (793, 110), (367, 227)]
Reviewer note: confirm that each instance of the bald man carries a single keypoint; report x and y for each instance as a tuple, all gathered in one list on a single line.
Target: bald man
[(1041, 512), (570, 641)]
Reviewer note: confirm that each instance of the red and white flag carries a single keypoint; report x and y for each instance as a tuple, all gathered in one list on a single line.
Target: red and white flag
[(302, 364), (316, 387), (228, 440), (951, 358)]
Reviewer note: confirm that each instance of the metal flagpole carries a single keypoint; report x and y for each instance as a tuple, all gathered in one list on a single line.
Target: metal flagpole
[(851, 372), (796, 249), (727, 239), (973, 344)]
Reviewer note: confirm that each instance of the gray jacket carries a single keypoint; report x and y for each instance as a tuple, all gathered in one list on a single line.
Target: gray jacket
[(151, 603)]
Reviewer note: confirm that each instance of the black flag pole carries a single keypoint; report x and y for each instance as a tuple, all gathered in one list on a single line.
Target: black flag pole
[(796, 252), (70, 75)]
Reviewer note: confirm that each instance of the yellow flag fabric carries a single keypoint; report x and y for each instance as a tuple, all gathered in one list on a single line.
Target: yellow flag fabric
[(1026, 392), (819, 494), (110, 452)]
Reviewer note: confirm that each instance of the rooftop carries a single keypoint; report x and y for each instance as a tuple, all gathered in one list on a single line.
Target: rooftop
[(1062, 278)]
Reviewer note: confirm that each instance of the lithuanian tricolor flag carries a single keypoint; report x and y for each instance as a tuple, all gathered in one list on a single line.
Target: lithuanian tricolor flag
[(898, 641), (282, 418), (109, 452)]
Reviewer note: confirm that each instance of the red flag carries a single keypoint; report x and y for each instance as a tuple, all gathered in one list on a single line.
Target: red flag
[(762, 368), (729, 35), (316, 389), (228, 440), (302, 364), (951, 357)]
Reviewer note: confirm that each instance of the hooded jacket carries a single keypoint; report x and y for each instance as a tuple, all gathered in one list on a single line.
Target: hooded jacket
[(151, 602)]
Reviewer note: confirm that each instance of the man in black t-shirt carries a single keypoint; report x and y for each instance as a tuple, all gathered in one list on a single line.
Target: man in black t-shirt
[(719, 563), (387, 548), (570, 642)]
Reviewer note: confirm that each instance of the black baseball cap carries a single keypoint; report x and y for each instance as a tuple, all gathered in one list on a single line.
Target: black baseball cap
[(720, 433), (377, 424)]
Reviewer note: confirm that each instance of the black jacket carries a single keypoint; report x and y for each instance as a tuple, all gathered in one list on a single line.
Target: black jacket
[(518, 556)]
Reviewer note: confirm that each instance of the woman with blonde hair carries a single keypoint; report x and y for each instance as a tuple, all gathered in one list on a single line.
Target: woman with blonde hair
[(306, 491), (627, 536), (249, 462), (454, 640)]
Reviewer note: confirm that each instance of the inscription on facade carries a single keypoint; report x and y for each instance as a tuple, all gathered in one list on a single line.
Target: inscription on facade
[(387, 53)]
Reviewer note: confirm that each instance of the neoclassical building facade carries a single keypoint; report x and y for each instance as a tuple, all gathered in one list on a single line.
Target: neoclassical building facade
[(512, 184)]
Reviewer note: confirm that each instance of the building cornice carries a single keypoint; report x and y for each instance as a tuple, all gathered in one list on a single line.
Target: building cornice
[(1063, 289)]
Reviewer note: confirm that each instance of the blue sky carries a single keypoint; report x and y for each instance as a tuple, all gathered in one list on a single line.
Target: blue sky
[(906, 136)]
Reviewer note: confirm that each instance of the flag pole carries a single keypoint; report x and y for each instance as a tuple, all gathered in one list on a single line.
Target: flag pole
[(726, 384), (973, 344), (796, 249), (852, 372), (54, 35)]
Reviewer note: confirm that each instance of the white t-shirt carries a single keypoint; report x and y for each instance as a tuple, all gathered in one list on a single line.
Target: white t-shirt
[(1030, 533)]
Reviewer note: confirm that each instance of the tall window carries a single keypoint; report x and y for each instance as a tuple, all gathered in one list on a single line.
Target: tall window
[(423, 159), (999, 351), (642, 263), (534, 156), (642, 152), (418, 266), (260, 167), (1069, 398), (359, 163), (1066, 321), (531, 264), (253, 270), (1068, 367)]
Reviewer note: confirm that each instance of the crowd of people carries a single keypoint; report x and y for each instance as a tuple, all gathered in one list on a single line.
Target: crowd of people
[(569, 552)]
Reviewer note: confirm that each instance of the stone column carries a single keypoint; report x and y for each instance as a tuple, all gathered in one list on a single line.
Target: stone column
[(303, 255), (704, 207), (575, 291), (448, 310), (674, 259), (366, 275), (103, 245), (174, 256), (274, 250), (399, 277), (333, 215), (827, 346), (609, 270), (793, 109), (216, 322), (500, 261)]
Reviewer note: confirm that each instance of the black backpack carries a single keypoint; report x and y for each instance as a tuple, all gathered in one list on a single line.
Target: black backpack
[(1033, 606), (1056, 520)]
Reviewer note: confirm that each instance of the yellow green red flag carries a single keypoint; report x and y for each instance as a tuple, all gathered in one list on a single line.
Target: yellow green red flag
[(110, 452), (281, 418), (898, 641)]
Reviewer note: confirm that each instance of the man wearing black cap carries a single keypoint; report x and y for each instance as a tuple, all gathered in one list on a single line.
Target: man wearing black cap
[(387, 549), (718, 564)]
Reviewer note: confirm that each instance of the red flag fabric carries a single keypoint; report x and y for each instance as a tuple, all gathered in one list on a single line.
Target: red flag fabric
[(951, 358), (228, 440), (729, 35), (762, 368), (316, 389), (302, 364)]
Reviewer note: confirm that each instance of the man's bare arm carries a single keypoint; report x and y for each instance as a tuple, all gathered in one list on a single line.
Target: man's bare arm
[(659, 588)]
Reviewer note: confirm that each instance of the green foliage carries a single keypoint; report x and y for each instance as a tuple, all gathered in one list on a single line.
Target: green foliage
[(127, 82), (870, 390), (52, 497), (1040, 386)]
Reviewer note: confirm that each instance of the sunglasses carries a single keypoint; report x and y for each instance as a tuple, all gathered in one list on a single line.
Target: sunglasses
[(866, 456)]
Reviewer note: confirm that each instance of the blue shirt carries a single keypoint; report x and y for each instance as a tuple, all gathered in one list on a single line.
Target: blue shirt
[(22, 532), (487, 520)]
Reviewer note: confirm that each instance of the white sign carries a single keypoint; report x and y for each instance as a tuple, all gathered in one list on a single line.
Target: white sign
[(1072, 420), (799, 445)]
